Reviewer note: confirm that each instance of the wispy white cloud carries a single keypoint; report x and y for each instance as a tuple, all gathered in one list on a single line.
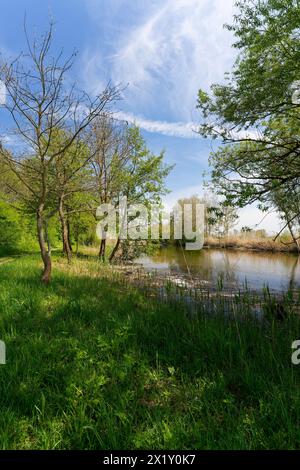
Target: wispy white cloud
[(174, 129), (187, 130), (14, 142), (177, 50), (177, 47)]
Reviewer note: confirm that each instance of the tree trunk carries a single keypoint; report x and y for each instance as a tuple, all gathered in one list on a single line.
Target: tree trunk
[(69, 235), (64, 230), (295, 240), (115, 249), (77, 245), (47, 239), (102, 249), (45, 253)]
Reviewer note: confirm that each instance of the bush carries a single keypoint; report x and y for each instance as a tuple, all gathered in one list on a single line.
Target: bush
[(16, 233)]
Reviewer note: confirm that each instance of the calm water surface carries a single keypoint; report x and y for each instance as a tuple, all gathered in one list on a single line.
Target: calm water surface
[(277, 270)]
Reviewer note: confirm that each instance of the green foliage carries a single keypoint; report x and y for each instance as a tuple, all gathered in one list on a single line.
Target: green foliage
[(16, 231), (124, 167), (145, 175), (259, 86), (253, 112)]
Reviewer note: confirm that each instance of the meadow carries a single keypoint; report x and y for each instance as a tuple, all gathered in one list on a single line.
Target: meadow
[(94, 362)]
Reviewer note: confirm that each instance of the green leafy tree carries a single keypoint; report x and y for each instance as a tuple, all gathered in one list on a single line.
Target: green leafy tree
[(143, 177), (68, 182), (39, 101), (123, 166), (254, 113)]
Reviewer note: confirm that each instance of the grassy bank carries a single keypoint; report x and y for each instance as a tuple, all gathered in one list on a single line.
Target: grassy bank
[(94, 364)]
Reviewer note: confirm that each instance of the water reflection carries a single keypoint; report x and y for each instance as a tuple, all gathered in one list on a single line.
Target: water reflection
[(280, 271)]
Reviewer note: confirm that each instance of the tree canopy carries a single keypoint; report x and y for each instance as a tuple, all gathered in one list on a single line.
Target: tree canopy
[(255, 112)]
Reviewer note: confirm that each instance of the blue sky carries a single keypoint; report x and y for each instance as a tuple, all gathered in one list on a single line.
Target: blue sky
[(162, 51)]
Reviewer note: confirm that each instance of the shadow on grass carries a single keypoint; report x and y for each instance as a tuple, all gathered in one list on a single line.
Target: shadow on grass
[(94, 364), (85, 256)]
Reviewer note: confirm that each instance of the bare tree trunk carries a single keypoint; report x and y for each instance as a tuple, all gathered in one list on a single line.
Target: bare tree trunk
[(64, 230), (102, 249), (115, 249), (69, 235), (295, 239), (46, 255), (47, 239), (77, 243)]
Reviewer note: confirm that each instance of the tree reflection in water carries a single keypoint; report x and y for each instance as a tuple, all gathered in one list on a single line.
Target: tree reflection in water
[(280, 271)]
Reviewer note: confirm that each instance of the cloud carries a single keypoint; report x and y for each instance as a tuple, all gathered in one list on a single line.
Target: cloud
[(186, 130), (164, 50), (165, 54), (174, 129), (181, 47), (14, 142)]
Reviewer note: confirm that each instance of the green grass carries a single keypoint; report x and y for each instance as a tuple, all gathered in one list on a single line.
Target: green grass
[(94, 364)]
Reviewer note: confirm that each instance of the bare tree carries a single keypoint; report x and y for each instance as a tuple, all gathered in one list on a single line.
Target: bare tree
[(39, 102)]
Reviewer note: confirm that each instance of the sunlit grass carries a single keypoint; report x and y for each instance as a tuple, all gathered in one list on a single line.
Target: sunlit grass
[(94, 363)]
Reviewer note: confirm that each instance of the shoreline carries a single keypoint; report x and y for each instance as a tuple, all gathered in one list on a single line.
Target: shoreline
[(251, 244), (256, 249)]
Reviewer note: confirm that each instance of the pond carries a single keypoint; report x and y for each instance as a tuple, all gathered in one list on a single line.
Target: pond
[(234, 268)]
